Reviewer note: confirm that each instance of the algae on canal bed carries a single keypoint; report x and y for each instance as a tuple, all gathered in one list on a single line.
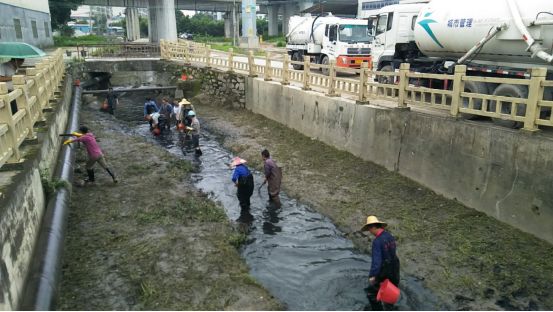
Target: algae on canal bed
[(470, 260), (150, 242)]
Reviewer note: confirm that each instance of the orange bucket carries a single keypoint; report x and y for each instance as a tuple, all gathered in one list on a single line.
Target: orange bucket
[(388, 292)]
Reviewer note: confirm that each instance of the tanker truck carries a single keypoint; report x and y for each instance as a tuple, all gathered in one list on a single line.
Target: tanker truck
[(328, 38), (493, 38)]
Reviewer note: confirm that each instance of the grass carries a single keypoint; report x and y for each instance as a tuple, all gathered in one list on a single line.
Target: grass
[(60, 41)]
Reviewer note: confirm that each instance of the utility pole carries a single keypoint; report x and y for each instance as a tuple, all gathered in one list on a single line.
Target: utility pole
[(234, 26)]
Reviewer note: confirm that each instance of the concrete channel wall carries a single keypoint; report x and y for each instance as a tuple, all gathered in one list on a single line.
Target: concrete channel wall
[(502, 172), (24, 202)]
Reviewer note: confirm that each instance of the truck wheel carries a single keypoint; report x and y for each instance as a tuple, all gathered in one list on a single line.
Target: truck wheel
[(509, 90), (325, 61), (474, 87), (297, 58), (386, 79)]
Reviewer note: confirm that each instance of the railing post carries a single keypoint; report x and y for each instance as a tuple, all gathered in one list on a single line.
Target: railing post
[(332, 79), (286, 70), (268, 76), (7, 118), (230, 60), (162, 52), (34, 92), (22, 103), (208, 56), (251, 64), (362, 98), (458, 88), (306, 72), (403, 83), (535, 94), (187, 53)]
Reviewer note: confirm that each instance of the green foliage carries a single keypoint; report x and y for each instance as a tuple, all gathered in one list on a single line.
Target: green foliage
[(63, 41), (143, 23), (50, 185), (237, 239), (281, 44), (200, 24), (66, 31), (60, 11), (262, 27)]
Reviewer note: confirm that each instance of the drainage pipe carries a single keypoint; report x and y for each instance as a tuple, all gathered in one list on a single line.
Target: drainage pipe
[(41, 287)]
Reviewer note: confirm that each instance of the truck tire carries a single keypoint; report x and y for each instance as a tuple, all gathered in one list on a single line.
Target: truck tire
[(325, 61), (386, 79), (508, 90), (296, 57), (474, 87)]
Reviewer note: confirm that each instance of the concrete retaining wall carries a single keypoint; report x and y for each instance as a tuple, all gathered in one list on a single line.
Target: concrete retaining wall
[(501, 172), (22, 207)]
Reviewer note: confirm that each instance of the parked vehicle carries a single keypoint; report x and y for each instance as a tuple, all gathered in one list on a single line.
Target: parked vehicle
[(494, 38), (328, 38)]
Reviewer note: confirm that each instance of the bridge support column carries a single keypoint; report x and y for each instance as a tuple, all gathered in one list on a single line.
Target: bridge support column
[(249, 37), (133, 26), (163, 22), (288, 10), (306, 4), (229, 25), (272, 18)]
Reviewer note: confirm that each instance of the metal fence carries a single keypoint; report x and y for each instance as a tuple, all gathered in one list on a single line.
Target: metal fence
[(531, 111), (32, 94)]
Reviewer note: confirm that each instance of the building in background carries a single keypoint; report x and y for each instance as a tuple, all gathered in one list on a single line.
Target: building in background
[(367, 8), (26, 21)]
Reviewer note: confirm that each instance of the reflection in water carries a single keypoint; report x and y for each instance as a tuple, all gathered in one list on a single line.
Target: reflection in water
[(294, 252)]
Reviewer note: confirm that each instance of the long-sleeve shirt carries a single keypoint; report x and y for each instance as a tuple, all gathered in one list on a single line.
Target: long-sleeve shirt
[(150, 107), (383, 248), (92, 147), (195, 124), (240, 171)]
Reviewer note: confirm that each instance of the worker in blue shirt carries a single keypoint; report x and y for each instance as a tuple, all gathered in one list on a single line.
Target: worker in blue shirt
[(243, 180), (384, 264), (150, 107)]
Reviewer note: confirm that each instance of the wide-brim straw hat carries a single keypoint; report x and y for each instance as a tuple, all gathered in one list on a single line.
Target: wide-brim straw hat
[(237, 161), (372, 220), (184, 102)]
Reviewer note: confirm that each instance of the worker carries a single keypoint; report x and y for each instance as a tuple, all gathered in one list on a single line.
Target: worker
[(195, 125), (243, 180), (94, 152), (176, 113), (166, 110), (150, 107), (7, 70), (111, 100), (384, 264), (273, 176)]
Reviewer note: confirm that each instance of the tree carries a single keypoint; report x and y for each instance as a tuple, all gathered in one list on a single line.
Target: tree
[(143, 24), (200, 24), (60, 11)]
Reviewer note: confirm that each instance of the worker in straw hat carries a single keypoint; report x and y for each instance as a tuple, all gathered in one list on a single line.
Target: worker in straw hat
[(243, 180), (384, 264)]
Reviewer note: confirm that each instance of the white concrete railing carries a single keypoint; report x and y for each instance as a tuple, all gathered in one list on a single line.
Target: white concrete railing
[(32, 94), (532, 111)]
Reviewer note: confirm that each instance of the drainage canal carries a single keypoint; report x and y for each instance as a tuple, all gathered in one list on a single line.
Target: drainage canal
[(293, 251)]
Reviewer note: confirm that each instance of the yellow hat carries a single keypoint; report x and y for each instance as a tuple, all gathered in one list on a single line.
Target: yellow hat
[(372, 220), (237, 161), (184, 102)]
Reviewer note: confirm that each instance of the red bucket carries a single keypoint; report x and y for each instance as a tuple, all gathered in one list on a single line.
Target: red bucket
[(388, 292)]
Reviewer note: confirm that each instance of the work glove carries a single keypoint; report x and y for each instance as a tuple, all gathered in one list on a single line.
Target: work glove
[(77, 134), (67, 142)]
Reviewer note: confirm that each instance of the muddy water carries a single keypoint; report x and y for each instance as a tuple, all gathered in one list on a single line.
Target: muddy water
[(293, 251)]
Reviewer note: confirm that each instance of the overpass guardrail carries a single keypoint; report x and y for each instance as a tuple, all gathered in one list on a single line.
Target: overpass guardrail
[(114, 50), (32, 94), (529, 111)]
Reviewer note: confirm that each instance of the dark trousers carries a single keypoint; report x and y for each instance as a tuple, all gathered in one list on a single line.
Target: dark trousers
[(244, 193), (389, 270)]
